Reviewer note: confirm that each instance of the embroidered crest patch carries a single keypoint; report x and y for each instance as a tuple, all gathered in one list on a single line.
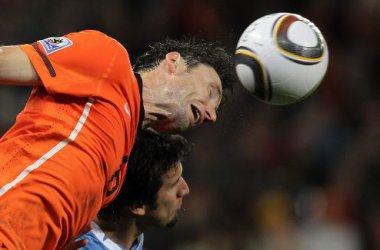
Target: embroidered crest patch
[(53, 44)]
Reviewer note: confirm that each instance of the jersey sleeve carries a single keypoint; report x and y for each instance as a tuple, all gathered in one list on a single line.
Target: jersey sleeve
[(81, 64)]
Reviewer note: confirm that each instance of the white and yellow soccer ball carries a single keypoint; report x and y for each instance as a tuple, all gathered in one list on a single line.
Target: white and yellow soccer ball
[(281, 58)]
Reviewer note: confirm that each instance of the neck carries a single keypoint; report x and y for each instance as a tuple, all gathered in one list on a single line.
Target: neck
[(153, 98), (123, 233)]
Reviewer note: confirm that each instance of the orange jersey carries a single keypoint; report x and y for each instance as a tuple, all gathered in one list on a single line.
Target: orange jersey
[(66, 155)]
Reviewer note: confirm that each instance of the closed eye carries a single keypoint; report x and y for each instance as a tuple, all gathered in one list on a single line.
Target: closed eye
[(218, 109), (196, 112)]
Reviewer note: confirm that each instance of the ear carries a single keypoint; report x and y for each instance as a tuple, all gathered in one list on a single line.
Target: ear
[(172, 60), (138, 210)]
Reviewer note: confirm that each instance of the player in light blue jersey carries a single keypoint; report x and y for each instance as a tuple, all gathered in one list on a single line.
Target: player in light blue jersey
[(151, 195), (98, 240)]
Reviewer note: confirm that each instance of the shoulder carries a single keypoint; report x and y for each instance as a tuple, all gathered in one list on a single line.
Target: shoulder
[(89, 34), (99, 51), (98, 240), (94, 243), (94, 37), (82, 43)]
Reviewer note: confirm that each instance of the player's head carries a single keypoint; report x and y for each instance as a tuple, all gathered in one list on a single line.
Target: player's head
[(185, 82), (153, 188)]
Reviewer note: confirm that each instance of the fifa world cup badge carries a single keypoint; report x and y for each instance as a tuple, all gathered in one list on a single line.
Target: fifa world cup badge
[(54, 44)]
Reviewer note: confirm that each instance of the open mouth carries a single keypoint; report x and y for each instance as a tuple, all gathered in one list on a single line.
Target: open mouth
[(196, 113)]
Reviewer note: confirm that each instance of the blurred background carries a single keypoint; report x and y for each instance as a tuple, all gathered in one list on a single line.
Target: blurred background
[(299, 177)]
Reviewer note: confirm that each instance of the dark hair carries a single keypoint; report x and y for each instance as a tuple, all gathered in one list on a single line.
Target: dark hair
[(152, 156), (194, 51)]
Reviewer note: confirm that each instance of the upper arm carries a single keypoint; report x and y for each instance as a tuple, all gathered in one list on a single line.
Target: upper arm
[(85, 64), (15, 67)]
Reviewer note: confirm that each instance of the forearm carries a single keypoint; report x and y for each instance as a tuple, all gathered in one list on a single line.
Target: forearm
[(15, 67)]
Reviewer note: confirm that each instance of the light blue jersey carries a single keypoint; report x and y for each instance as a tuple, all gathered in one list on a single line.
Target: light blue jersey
[(97, 240)]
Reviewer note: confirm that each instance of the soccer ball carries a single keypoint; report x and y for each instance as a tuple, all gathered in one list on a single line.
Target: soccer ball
[(281, 58)]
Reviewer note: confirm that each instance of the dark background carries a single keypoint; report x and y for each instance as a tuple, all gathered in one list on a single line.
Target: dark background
[(298, 177)]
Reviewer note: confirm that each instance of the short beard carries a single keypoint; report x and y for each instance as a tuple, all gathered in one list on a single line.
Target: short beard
[(172, 222)]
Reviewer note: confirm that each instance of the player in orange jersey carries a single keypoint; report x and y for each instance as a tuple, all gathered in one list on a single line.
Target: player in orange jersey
[(66, 155)]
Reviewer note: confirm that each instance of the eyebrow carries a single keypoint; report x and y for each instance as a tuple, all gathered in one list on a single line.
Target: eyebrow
[(179, 178), (218, 90)]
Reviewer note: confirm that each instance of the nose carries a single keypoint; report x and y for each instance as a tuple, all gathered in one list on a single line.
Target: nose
[(184, 190), (210, 114)]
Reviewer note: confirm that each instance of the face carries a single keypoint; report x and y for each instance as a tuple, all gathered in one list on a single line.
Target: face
[(189, 97), (169, 199)]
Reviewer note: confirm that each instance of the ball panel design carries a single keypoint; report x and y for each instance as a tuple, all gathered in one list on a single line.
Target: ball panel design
[(301, 34), (292, 50), (246, 76), (261, 85)]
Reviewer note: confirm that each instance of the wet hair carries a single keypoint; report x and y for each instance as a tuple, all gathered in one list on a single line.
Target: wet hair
[(152, 156), (194, 51)]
